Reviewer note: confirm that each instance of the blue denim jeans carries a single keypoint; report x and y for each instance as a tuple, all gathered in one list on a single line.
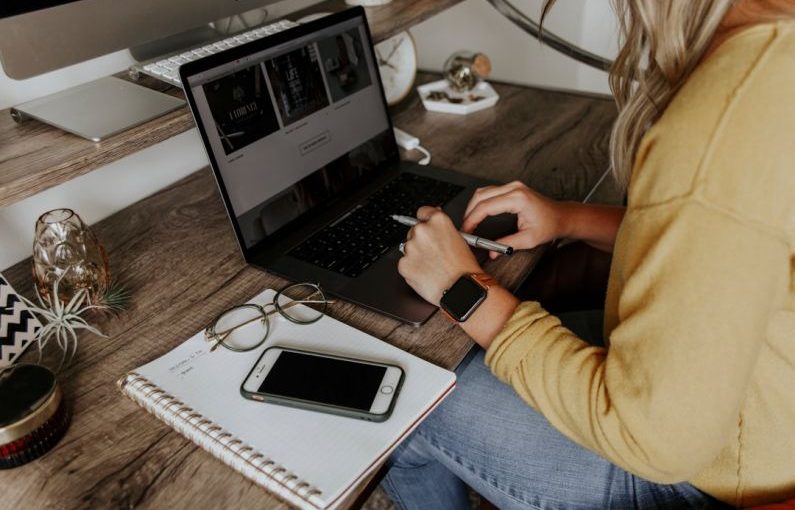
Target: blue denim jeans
[(484, 436)]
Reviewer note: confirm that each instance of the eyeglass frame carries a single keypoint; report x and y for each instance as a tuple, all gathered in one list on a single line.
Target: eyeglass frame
[(210, 335)]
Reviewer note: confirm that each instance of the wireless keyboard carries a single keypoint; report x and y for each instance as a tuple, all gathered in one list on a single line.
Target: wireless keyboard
[(167, 68)]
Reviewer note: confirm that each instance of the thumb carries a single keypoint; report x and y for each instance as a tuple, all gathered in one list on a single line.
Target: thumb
[(517, 241)]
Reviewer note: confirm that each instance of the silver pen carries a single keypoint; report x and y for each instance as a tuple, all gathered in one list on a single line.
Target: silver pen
[(472, 240)]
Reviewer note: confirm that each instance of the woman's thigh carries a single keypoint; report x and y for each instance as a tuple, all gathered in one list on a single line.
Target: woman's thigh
[(510, 454)]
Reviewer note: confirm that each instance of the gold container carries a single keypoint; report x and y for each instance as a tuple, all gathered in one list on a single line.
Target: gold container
[(33, 417), (464, 69)]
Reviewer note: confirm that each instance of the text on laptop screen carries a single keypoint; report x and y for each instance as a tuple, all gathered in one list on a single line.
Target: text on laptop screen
[(294, 125)]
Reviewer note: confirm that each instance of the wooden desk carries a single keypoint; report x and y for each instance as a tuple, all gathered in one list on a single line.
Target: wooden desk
[(177, 254)]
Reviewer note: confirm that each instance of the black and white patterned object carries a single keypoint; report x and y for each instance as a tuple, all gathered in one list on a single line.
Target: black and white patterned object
[(17, 325)]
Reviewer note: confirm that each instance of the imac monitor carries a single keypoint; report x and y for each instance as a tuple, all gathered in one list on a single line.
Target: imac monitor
[(37, 36)]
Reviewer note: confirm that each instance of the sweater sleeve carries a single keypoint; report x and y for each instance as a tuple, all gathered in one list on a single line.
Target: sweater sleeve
[(666, 395)]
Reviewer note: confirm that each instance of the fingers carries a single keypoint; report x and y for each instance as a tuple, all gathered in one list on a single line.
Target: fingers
[(435, 255), (426, 212), (481, 194), (490, 192), (505, 203), (431, 220), (517, 241), (401, 266)]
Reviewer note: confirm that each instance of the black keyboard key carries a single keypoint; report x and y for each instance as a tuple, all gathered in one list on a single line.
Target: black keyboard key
[(359, 239)]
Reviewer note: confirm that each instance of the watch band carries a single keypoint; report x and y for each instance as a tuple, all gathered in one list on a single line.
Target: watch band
[(484, 279)]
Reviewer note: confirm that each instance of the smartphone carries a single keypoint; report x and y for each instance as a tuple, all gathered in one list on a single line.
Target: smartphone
[(323, 382)]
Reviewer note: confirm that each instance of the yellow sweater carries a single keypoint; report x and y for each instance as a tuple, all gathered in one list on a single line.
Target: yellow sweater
[(698, 383)]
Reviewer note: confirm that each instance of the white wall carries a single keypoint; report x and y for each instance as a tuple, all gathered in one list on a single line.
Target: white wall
[(598, 34), (516, 56), (473, 25)]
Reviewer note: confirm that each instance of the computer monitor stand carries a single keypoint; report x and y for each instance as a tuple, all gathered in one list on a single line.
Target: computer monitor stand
[(99, 109)]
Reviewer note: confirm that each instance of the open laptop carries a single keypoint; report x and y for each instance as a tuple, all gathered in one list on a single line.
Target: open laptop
[(300, 141)]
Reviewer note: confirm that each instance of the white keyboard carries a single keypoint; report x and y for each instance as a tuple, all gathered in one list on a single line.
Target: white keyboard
[(167, 68)]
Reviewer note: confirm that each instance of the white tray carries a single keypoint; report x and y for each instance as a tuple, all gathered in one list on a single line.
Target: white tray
[(482, 89)]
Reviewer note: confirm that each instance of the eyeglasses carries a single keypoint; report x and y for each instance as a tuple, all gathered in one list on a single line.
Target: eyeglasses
[(245, 327)]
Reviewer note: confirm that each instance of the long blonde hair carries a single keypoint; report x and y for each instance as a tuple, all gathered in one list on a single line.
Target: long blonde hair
[(661, 42)]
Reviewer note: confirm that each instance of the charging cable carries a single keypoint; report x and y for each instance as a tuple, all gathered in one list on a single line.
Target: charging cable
[(412, 143)]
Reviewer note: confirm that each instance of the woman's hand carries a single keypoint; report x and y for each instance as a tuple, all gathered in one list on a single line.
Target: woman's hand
[(539, 219), (435, 255)]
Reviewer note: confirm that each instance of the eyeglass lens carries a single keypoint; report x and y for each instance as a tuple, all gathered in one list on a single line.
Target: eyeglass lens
[(241, 328), (301, 303)]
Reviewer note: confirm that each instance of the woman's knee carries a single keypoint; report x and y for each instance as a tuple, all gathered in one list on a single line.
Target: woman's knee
[(411, 453), (450, 419)]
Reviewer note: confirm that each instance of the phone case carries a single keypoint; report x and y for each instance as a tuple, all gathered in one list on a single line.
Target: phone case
[(323, 408)]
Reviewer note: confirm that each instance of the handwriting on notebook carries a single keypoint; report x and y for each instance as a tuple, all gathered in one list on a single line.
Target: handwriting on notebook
[(185, 365)]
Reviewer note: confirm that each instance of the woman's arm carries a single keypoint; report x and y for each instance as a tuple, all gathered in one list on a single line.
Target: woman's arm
[(596, 225), (662, 403), (694, 309), (436, 255), (540, 219)]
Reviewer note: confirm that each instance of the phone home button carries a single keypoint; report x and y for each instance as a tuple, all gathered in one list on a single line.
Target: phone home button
[(386, 390)]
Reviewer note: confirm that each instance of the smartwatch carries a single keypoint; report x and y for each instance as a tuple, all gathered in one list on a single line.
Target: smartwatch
[(461, 300)]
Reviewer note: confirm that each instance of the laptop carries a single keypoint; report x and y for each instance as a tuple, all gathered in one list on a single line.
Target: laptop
[(301, 144)]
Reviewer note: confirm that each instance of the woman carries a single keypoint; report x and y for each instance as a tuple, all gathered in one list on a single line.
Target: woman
[(691, 402)]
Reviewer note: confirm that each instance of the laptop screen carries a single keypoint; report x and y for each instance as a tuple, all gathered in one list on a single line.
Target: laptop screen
[(293, 126)]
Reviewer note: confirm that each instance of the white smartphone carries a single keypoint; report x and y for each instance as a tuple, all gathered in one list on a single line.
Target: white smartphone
[(324, 382)]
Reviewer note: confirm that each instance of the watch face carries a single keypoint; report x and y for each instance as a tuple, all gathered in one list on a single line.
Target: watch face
[(463, 298)]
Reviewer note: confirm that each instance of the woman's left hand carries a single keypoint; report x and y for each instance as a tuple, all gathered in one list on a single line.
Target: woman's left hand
[(435, 255)]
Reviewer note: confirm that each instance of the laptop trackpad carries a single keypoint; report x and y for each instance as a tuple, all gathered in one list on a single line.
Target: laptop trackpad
[(382, 288)]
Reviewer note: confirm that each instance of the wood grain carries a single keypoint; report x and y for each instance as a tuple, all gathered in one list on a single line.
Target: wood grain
[(177, 254), (35, 156), (387, 20)]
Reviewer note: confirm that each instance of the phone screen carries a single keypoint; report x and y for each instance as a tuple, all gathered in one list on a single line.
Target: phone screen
[(324, 380)]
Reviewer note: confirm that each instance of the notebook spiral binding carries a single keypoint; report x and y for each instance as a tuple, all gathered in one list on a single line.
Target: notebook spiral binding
[(233, 452)]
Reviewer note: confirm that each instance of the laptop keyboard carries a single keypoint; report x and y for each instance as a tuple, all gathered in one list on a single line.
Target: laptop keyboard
[(357, 240)]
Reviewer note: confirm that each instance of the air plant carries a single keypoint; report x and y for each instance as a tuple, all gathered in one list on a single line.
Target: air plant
[(115, 299), (61, 322)]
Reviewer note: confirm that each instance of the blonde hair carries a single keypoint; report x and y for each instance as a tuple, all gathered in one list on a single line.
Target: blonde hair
[(661, 43)]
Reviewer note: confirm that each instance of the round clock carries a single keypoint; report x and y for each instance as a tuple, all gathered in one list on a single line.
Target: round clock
[(397, 63)]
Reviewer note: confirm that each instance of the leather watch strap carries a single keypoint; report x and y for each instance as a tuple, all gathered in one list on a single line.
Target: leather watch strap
[(484, 279)]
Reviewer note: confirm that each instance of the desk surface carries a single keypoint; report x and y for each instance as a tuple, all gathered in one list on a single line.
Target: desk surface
[(176, 252)]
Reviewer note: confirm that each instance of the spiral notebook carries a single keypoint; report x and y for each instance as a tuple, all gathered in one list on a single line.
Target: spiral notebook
[(310, 459)]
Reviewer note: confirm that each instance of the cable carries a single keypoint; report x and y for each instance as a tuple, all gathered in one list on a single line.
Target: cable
[(412, 143), (425, 160), (596, 186)]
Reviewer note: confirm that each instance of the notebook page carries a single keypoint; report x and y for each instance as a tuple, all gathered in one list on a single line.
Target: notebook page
[(330, 452)]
